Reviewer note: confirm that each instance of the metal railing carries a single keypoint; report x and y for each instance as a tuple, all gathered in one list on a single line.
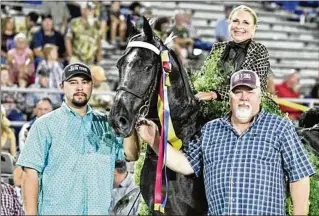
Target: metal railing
[(49, 90), (309, 102), (306, 101)]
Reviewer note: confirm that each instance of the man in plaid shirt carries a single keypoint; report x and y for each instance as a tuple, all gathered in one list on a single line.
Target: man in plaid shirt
[(10, 204), (246, 156)]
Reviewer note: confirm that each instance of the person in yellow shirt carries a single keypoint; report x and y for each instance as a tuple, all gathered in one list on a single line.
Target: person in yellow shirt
[(8, 140)]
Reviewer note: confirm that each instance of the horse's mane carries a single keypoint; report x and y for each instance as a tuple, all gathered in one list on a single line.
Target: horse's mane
[(183, 72)]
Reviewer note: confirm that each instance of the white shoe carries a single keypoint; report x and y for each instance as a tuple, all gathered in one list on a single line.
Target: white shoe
[(107, 45)]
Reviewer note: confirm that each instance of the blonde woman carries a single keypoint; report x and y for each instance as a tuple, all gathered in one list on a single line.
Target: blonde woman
[(8, 140), (242, 52)]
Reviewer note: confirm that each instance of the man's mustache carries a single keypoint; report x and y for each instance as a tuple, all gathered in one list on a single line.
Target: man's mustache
[(241, 104), (80, 94)]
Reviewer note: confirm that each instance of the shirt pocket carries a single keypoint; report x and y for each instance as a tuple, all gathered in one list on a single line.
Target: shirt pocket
[(265, 150), (216, 151)]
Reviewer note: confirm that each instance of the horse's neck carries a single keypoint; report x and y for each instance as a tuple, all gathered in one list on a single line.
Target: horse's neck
[(184, 109)]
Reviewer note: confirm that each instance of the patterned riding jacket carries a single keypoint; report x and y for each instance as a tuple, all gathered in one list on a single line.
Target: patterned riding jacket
[(252, 56)]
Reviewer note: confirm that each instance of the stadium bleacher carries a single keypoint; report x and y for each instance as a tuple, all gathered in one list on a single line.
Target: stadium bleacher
[(290, 44)]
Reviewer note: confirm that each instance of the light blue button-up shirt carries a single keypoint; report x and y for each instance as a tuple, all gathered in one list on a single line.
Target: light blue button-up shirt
[(75, 157)]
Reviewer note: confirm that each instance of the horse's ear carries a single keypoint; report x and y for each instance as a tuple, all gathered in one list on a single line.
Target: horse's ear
[(131, 30), (147, 29)]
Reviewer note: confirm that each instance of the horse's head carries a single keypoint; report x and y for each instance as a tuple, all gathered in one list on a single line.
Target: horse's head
[(138, 69)]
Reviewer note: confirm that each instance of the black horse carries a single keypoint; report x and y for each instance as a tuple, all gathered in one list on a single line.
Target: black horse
[(140, 71)]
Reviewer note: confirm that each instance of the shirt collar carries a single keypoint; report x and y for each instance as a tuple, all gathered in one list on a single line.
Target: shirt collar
[(127, 181), (66, 108)]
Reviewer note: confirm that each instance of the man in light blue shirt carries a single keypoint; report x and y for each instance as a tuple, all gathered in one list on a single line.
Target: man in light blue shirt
[(70, 154)]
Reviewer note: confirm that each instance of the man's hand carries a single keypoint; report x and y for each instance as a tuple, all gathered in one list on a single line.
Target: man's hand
[(147, 130), (206, 96), (176, 160)]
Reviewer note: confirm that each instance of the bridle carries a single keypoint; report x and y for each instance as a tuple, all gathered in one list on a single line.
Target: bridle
[(143, 111)]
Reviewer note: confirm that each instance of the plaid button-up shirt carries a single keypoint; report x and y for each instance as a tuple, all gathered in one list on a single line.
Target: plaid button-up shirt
[(10, 204), (245, 174)]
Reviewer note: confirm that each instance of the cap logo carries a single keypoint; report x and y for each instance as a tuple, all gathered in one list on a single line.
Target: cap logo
[(77, 67), (242, 77)]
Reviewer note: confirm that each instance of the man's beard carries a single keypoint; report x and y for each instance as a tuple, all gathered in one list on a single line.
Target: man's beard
[(80, 103), (243, 112)]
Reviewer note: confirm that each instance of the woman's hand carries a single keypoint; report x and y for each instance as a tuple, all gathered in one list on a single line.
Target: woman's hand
[(206, 96)]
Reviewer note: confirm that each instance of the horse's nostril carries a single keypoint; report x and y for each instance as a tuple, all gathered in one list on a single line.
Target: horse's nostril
[(123, 121)]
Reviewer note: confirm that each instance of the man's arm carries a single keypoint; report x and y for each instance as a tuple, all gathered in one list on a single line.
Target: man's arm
[(38, 52), (99, 51), (298, 167), (132, 147), (30, 189), (68, 41), (68, 47), (300, 194), (175, 159)]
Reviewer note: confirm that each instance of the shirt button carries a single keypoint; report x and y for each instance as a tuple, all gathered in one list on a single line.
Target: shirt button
[(232, 183), (234, 200)]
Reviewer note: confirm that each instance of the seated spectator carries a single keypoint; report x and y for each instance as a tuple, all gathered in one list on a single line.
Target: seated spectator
[(103, 16), (31, 25), (100, 102), (47, 35), (118, 22), (43, 106), (7, 34), (161, 26), (20, 61), (83, 37), (183, 43), (125, 195), (290, 89), (13, 102), (59, 12), (10, 204), (5, 77), (198, 43), (221, 29), (136, 17), (271, 85), (51, 64), (8, 140), (148, 13), (43, 82)]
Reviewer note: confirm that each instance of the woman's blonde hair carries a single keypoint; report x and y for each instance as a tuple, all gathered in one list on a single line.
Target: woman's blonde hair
[(5, 22), (47, 50), (5, 123), (245, 8)]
